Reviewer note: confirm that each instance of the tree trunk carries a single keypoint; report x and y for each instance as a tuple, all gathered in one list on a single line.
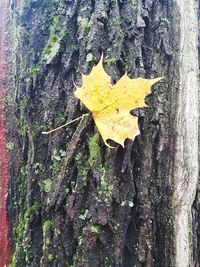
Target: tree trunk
[(71, 200)]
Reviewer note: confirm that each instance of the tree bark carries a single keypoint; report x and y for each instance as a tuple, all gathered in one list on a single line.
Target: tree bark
[(72, 201)]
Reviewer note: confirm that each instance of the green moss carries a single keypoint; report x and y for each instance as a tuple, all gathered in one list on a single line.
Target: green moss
[(19, 230), (21, 121), (164, 22), (13, 262), (85, 163), (94, 229), (18, 235), (134, 4), (105, 188), (45, 228), (60, 119), (47, 185), (10, 146), (50, 257), (46, 225), (23, 129), (56, 34), (58, 158), (111, 61), (83, 166), (32, 210), (84, 174), (35, 129), (94, 149), (38, 168), (84, 23), (48, 49), (56, 23), (104, 191), (33, 70)]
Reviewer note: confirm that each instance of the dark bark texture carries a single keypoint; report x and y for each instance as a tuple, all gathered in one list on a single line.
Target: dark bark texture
[(73, 201)]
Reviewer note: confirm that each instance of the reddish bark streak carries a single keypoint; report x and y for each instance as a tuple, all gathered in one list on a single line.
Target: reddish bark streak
[(4, 244)]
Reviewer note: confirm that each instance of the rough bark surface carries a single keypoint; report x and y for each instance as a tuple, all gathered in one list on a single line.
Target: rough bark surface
[(185, 162), (73, 201)]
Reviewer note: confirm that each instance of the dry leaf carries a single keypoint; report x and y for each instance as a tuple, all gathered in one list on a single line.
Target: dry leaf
[(110, 105)]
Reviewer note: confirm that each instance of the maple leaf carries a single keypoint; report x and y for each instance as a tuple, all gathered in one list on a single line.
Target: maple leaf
[(110, 105)]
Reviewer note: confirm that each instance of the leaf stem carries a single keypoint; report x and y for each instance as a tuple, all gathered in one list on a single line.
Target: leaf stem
[(66, 124)]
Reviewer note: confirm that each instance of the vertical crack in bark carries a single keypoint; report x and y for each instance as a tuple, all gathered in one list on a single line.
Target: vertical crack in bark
[(185, 171)]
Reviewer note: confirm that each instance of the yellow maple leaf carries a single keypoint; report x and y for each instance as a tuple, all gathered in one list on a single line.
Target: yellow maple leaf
[(110, 105)]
